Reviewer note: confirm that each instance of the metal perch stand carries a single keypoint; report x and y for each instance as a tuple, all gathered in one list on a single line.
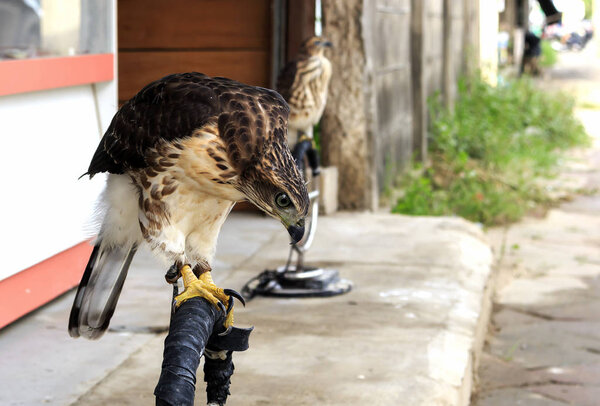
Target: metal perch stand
[(196, 329)]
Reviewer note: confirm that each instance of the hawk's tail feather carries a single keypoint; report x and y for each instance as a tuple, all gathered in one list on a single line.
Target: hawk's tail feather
[(99, 290)]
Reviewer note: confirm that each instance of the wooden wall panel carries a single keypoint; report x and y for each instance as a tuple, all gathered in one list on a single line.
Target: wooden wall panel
[(433, 46), (300, 25), (390, 51), (137, 69), (194, 24)]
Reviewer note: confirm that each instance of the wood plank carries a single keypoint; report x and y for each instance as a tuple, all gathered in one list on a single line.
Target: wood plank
[(448, 57), (418, 67), (195, 24), (137, 69), (300, 25)]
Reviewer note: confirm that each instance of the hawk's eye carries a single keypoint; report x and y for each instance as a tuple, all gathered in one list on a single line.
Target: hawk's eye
[(282, 200)]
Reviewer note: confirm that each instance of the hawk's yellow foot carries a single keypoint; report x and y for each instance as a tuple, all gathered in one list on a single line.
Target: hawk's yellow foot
[(204, 287)]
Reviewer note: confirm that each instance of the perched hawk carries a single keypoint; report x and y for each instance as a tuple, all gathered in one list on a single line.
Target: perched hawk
[(303, 83), (179, 155)]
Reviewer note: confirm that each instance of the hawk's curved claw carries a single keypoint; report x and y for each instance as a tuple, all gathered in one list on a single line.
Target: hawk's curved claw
[(226, 332), (172, 274), (230, 304), (222, 307), (235, 294)]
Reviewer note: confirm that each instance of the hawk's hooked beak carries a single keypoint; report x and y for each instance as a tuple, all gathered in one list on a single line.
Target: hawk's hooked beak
[(296, 232), (327, 44)]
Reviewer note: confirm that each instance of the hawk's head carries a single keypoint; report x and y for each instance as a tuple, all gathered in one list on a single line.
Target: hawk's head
[(253, 128), (276, 186), (314, 46)]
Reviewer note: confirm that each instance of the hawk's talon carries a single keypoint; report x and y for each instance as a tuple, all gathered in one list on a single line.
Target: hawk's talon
[(204, 287), (237, 295), (200, 287), (229, 304), (172, 274), (222, 307)]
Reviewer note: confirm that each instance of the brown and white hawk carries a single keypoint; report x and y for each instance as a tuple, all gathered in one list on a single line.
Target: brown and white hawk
[(179, 155), (303, 83)]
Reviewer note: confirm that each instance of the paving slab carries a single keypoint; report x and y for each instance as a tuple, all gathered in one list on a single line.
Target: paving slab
[(543, 343), (407, 334), (517, 397)]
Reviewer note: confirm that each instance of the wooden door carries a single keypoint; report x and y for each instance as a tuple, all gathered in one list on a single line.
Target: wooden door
[(230, 38)]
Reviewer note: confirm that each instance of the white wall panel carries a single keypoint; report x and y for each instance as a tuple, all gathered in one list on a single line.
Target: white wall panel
[(48, 139)]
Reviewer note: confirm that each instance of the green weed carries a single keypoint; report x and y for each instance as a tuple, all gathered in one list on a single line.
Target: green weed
[(549, 55), (488, 154)]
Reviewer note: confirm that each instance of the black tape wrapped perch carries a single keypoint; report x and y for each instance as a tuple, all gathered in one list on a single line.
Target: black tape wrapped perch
[(194, 331)]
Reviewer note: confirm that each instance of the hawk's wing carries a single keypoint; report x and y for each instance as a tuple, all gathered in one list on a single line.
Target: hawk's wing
[(164, 110), (253, 120), (249, 119), (286, 78)]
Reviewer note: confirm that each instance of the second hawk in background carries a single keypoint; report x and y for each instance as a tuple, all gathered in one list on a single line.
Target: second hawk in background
[(303, 83)]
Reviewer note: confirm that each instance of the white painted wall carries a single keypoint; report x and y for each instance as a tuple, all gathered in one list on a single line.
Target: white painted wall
[(48, 139)]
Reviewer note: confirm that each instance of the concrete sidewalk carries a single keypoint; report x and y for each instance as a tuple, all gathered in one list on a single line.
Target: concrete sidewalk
[(405, 335)]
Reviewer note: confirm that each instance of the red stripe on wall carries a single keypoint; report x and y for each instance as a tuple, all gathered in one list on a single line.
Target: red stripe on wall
[(35, 286), (28, 75)]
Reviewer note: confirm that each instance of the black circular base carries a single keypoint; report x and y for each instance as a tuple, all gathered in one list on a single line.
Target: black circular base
[(309, 282)]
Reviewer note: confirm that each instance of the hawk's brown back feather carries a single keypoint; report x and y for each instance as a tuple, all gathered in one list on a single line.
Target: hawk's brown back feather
[(175, 106)]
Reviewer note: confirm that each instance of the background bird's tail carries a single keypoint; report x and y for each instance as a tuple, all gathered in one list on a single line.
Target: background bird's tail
[(99, 290)]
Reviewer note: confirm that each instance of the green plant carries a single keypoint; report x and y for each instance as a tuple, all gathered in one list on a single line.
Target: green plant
[(317, 136), (549, 55), (589, 8), (488, 153)]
